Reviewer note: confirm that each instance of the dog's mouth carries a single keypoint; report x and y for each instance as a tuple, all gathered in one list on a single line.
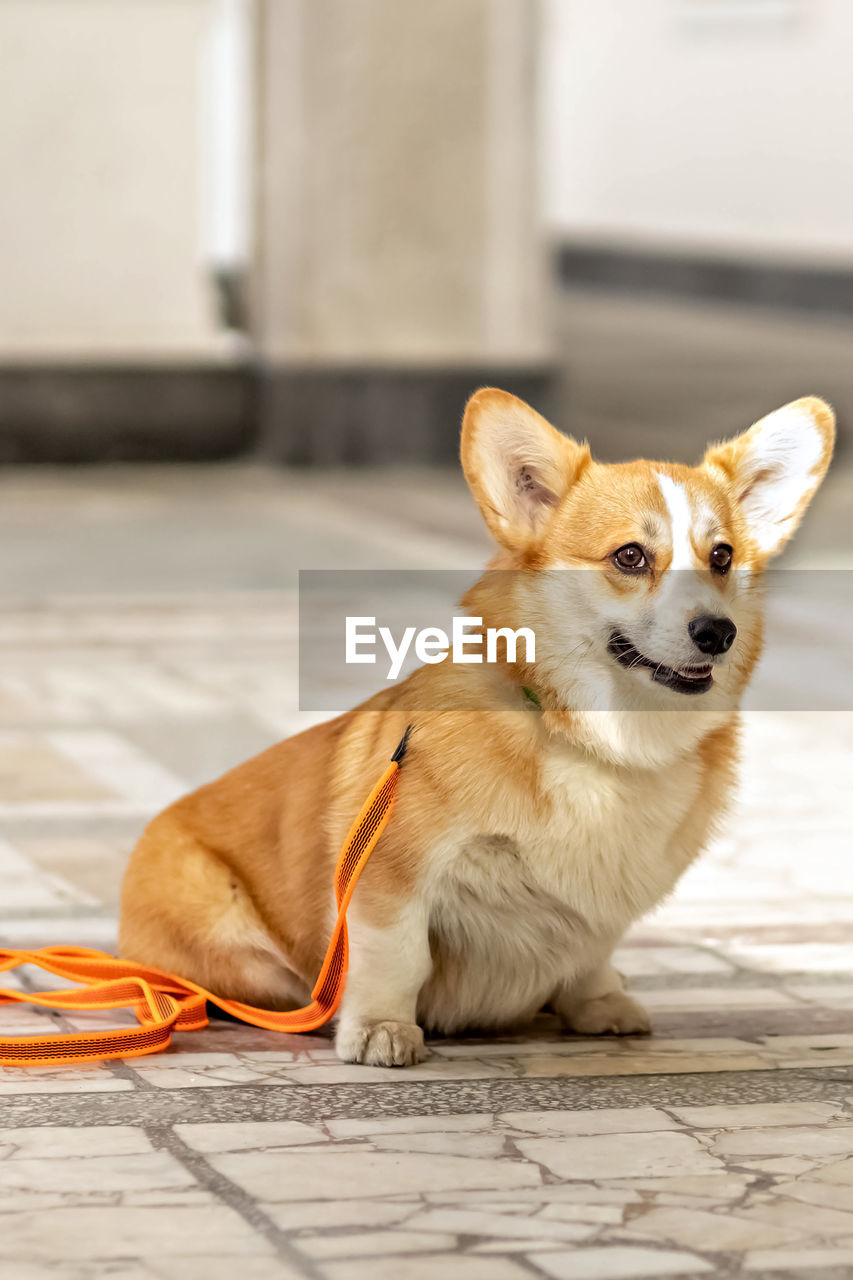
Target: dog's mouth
[(688, 679)]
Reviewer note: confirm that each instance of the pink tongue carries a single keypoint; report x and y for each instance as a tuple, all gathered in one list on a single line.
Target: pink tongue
[(696, 673)]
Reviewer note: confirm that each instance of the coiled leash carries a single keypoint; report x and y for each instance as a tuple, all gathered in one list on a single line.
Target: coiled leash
[(164, 1003)]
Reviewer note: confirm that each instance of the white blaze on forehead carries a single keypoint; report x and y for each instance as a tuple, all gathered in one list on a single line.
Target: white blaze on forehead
[(680, 520)]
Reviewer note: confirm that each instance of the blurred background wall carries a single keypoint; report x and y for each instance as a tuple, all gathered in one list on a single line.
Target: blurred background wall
[(719, 127), (100, 150), (307, 229)]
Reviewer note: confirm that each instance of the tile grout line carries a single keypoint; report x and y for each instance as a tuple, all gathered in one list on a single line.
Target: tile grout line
[(121, 1069), (164, 1138)]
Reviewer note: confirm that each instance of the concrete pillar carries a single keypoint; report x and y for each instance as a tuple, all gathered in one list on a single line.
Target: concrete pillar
[(399, 262)]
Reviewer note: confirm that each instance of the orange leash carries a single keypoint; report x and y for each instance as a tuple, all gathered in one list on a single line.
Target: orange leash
[(164, 1003)]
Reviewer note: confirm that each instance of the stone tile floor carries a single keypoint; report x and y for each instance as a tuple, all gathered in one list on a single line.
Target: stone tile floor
[(147, 642)]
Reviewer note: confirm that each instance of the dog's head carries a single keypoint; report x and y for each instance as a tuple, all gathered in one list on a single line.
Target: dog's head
[(646, 592)]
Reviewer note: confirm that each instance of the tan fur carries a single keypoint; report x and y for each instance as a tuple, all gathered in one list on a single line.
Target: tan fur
[(524, 842)]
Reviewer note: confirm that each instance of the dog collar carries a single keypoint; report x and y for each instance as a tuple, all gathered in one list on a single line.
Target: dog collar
[(531, 697)]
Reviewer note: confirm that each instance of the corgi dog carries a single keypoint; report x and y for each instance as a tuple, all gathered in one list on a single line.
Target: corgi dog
[(543, 807)]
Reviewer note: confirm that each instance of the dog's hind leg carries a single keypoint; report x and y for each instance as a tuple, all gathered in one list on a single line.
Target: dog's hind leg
[(183, 910), (598, 1004)]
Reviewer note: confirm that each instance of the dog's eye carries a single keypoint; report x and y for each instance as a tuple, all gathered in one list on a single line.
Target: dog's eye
[(721, 557), (630, 559)]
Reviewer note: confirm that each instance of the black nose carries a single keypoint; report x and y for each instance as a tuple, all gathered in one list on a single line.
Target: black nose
[(712, 635)]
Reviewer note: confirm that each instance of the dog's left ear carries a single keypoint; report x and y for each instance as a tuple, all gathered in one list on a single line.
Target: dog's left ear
[(518, 467), (776, 466)]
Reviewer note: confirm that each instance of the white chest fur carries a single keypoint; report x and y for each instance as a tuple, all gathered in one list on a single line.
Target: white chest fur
[(602, 843), (536, 895)]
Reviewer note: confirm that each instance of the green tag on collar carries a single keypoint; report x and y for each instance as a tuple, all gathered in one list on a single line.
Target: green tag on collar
[(531, 697)]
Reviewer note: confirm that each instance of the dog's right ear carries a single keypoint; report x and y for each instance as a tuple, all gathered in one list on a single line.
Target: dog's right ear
[(518, 467)]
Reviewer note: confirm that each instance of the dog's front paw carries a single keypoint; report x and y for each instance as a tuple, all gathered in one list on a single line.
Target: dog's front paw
[(381, 1044), (614, 1014)]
